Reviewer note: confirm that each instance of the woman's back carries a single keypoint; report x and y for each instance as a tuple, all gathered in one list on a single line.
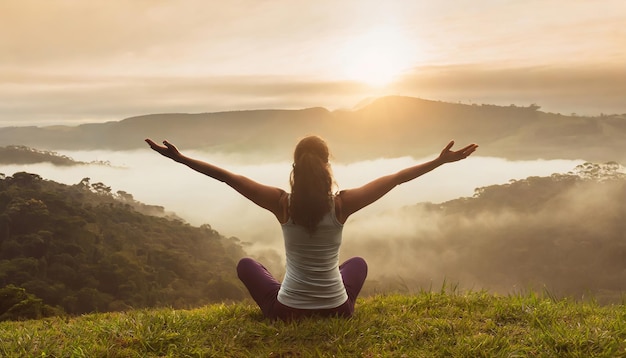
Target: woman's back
[(312, 279)]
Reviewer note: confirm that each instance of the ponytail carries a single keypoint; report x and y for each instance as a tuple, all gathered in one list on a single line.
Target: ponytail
[(311, 183)]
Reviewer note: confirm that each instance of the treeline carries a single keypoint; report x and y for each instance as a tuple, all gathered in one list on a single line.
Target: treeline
[(80, 248)]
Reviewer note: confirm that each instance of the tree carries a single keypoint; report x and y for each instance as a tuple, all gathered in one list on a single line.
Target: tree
[(101, 188), (17, 304), (26, 179), (125, 197), (600, 172), (23, 213), (84, 183)]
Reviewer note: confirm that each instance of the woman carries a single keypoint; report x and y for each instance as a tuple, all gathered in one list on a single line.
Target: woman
[(312, 219)]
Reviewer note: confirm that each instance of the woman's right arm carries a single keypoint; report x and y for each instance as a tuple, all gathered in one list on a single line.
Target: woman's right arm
[(353, 200)]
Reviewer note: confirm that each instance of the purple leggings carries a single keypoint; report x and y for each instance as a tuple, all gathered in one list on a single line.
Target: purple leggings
[(263, 288)]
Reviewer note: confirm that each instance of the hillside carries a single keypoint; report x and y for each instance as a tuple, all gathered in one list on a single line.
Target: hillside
[(19, 154), (563, 233), (428, 324), (81, 248), (386, 127)]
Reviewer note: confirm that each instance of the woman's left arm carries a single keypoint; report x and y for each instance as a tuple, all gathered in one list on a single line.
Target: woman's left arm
[(267, 197)]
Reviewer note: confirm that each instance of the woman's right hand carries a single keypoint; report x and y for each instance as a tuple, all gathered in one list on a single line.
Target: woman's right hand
[(166, 150)]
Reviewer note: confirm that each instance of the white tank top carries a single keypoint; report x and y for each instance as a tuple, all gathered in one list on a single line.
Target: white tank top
[(312, 279)]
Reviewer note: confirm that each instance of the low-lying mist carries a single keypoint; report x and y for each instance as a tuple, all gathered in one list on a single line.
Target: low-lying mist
[(562, 235), (408, 246), (155, 180)]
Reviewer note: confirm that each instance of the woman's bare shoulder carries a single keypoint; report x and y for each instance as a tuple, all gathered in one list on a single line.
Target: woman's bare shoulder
[(338, 202), (283, 204)]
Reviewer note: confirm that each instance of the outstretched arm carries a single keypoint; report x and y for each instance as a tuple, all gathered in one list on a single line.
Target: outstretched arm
[(353, 200), (267, 197)]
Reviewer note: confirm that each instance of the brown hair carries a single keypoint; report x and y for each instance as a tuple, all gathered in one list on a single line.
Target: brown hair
[(311, 182)]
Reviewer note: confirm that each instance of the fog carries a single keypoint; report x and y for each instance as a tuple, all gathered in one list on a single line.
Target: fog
[(564, 239), (382, 233), (156, 180)]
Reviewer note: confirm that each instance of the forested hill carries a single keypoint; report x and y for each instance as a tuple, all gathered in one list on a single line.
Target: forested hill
[(81, 248), (386, 127), (563, 234)]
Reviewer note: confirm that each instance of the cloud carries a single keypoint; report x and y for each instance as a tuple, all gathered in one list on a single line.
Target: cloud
[(64, 98), (192, 36), (68, 30), (586, 89), (252, 37)]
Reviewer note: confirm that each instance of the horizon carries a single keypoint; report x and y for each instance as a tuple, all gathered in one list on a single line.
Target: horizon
[(72, 63), (361, 104)]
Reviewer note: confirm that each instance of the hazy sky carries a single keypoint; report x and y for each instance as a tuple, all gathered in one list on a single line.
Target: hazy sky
[(70, 61)]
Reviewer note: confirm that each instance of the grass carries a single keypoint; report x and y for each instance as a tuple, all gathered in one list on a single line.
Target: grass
[(427, 324)]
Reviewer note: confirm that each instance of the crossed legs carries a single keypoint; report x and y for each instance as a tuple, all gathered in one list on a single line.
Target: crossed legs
[(263, 288)]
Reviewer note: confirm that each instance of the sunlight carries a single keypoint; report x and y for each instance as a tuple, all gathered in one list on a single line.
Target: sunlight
[(377, 57)]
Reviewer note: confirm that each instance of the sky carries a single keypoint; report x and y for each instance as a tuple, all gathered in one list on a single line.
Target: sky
[(74, 61)]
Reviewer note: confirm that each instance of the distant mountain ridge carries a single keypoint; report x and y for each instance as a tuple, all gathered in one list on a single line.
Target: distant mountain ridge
[(387, 127)]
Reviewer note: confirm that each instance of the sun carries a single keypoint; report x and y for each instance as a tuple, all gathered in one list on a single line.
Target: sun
[(377, 57)]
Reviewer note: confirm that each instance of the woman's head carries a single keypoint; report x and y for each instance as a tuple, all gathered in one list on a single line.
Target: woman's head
[(311, 145), (311, 182)]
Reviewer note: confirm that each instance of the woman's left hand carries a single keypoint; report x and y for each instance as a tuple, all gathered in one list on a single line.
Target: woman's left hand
[(167, 149), (448, 155)]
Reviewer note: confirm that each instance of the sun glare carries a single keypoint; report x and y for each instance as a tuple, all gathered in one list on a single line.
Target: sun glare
[(377, 57)]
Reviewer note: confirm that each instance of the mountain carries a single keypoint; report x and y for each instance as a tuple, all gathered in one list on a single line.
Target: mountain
[(385, 127)]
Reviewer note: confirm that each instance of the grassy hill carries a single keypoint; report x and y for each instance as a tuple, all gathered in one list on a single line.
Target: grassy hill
[(427, 324)]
